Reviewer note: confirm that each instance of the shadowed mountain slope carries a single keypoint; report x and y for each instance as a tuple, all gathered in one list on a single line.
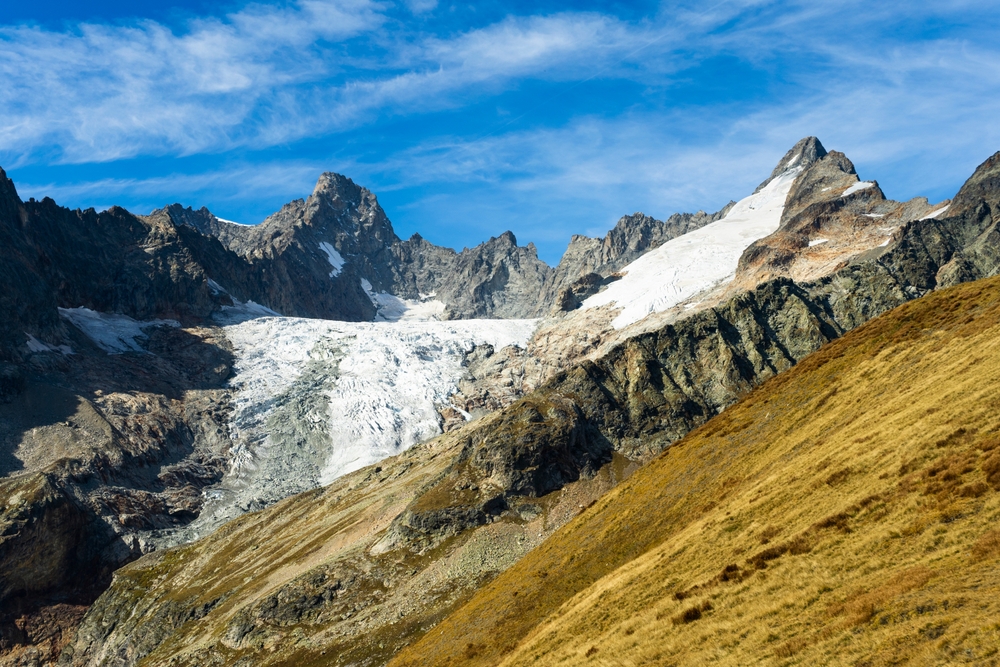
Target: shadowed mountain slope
[(844, 513)]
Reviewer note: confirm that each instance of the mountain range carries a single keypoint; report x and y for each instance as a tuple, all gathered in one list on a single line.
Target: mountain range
[(321, 444)]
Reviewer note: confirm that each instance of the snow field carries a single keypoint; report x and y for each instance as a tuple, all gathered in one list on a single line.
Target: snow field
[(857, 187), (697, 261)]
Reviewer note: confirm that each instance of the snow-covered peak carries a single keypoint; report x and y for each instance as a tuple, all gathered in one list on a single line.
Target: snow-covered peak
[(697, 261)]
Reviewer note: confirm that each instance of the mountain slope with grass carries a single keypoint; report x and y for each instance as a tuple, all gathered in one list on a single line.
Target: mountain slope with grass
[(846, 512), (467, 506)]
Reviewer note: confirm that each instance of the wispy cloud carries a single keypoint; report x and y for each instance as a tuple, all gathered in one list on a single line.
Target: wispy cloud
[(260, 77)]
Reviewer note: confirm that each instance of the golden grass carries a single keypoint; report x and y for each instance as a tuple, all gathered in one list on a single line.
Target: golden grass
[(843, 513)]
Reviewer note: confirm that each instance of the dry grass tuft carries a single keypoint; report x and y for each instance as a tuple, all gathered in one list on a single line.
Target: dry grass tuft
[(769, 534), (692, 614), (862, 606), (987, 546), (792, 647)]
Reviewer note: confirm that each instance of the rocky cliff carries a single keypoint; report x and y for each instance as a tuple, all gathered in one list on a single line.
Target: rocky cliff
[(335, 255)]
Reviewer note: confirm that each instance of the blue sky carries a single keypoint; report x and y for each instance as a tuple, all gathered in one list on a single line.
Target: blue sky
[(546, 118)]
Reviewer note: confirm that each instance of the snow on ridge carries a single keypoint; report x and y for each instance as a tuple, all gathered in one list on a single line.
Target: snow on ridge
[(216, 288), (336, 260), (938, 212), (816, 242), (857, 187), (231, 222), (113, 333), (697, 261)]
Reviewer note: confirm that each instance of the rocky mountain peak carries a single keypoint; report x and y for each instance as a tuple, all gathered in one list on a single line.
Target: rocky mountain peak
[(332, 186), (7, 189), (823, 177), (338, 205), (984, 185), (805, 152), (502, 242), (9, 200)]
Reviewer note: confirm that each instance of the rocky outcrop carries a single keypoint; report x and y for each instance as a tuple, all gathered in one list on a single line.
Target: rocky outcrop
[(805, 152), (98, 453), (407, 538), (830, 217), (328, 256), (495, 279)]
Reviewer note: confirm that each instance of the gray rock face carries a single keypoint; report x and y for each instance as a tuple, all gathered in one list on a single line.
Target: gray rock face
[(495, 279), (111, 261)]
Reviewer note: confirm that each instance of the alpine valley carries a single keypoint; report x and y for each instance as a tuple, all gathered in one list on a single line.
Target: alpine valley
[(764, 435)]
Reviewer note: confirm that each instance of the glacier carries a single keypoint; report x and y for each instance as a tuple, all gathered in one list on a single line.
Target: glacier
[(316, 399)]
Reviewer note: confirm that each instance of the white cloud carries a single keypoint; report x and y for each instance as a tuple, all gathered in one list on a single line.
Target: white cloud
[(259, 77), (105, 92)]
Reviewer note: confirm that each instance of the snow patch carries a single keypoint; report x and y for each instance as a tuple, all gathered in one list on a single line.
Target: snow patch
[(216, 288), (241, 312), (113, 333), (857, 187), (230, 222), (699, 260), (36, 345), (336, 260), (815, 242), (874, 215), (934, 214), (391, 308)]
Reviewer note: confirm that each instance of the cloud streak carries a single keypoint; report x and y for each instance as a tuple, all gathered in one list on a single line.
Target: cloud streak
[(259, 77)]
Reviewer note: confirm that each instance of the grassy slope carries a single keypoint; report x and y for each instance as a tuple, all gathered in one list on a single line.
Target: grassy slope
[(844, 513)]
